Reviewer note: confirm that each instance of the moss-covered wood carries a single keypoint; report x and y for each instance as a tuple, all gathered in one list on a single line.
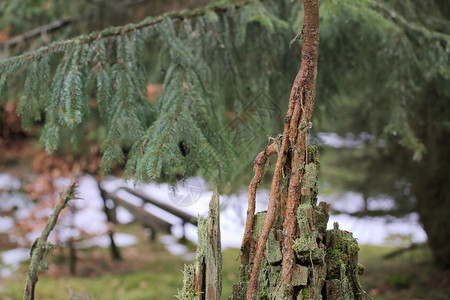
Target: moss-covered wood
[(326, 261), (203, 278)]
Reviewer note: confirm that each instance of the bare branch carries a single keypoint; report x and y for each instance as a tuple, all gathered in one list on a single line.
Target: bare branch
[(260, 163), (38, 31), (40, 247)]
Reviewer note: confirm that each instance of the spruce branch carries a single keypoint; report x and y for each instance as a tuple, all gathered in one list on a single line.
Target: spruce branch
[(41, 247), (402, 22), (58, 24), (60, 46)]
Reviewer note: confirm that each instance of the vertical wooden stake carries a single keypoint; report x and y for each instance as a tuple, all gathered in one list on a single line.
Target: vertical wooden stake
[(203, 278), (213, 251)]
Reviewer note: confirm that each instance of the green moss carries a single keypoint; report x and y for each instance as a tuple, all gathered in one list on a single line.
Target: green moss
[(333, 253), (313, 153), (305, 293), (304, 244)]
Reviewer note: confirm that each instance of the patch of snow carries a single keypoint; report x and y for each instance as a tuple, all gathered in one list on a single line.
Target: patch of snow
[(120, 239), (7, 182), (90, 218), (6, 224), (172, 245), (11, 259)]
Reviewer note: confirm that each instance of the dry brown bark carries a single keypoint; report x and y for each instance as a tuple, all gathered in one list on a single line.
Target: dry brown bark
[(305, 91), (260, 163), (294, 144), (203, 278)]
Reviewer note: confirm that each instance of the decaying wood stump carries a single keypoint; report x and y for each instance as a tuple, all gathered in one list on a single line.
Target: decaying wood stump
[(326, 261), (203, 278)]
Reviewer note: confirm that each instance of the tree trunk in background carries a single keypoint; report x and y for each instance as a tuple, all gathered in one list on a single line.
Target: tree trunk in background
[(433, 205)]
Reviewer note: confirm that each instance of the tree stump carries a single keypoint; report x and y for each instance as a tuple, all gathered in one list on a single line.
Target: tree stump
[(326, 261), (203, 278)]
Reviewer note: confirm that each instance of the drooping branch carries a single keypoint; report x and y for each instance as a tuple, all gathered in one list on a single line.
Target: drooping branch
[(297, 123), (41, 248), (58, 24), (60, 46)]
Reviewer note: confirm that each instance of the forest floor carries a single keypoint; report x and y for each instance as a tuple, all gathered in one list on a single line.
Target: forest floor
[(149, 271)]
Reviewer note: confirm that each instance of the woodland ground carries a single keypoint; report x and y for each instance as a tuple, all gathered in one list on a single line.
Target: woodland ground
[(149, 271)]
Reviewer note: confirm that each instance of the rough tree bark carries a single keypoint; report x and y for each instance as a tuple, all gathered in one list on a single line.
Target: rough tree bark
[(287, 253), (203, 278)]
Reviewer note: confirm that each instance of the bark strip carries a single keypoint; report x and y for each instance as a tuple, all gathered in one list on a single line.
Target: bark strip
[(260, 163), (274, 204), (307, 90), (294, 139)]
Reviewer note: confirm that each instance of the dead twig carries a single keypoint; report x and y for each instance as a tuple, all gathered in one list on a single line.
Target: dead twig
[(41, 247), (44, 29)]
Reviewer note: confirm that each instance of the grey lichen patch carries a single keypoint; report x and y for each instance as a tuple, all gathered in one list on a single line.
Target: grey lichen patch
[(269, 280), (258, 223), (202, 237), (309, 188), (188, 290), (339, 289), (310, 176), (321, 216), (275, 276), (300, 275), (264, 280), (284, 292), (273, 249), (313, 257), (304, 217)]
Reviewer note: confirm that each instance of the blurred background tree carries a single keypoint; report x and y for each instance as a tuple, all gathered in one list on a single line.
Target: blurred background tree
[(383, 76)]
